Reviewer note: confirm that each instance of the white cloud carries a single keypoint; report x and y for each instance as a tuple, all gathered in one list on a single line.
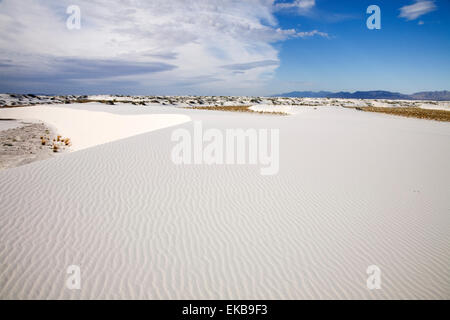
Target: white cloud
[(178, 43), (311, 34), (292, 33), (301, 5), (414, 11)]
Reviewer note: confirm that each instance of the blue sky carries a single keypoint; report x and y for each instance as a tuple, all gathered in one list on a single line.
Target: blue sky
[(223, 47), (405, 56)]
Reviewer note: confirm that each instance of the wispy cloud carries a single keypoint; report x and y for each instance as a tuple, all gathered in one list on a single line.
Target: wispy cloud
[(292, 33), (302, 6), (310, 9), (311, 34), (414, 11), (251, 65)]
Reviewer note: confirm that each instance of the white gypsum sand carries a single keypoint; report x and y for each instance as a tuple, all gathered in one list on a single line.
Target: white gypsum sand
[(354, 189), (87, 128), (274, 109)]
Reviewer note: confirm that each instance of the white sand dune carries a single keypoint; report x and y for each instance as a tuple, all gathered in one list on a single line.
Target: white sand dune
[(354, 189), (273, 108), (87, 128), (436, 106)]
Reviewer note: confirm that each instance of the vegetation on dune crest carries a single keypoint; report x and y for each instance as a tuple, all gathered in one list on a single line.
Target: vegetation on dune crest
[(430, 114), (236, 109)]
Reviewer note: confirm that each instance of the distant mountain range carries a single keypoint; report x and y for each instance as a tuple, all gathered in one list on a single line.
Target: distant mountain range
[(429, 95)]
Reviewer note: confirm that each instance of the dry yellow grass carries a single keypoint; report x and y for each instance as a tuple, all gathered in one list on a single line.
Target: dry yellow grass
[(235, 109), (59, 143), (438, 115)]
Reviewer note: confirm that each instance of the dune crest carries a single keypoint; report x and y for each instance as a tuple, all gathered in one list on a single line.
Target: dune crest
[(88, 128)]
